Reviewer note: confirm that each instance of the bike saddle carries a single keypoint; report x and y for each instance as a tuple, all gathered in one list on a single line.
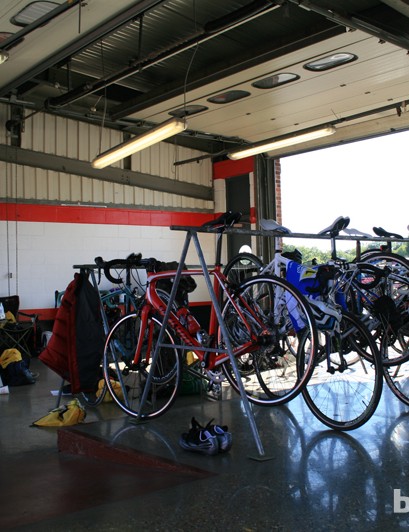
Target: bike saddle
[(336, 227), (379, 231), (272, 225), (355, 232), (227, 219)]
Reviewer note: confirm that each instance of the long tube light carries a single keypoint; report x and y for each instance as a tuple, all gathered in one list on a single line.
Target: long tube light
[(155, 135), (283, 143), (4, 55)]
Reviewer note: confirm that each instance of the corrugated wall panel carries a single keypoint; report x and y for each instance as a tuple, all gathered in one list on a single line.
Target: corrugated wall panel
[(65, 185), (68, 138), (4, 116)]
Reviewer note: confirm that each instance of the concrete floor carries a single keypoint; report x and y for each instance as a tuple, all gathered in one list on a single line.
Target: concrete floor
[(111, 474)]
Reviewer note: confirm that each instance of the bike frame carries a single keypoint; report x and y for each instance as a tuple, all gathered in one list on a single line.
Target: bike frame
[(209, 357)]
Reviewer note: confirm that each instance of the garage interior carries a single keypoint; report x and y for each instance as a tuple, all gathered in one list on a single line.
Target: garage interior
[(239, 74)]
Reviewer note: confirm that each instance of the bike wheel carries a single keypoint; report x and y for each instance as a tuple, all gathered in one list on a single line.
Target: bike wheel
[(242, 267), (112, 311), (264, 321), (126, 377), (342, 393), (397, 378), (387, 315), (381, 259), (394, 341), (95, 398)]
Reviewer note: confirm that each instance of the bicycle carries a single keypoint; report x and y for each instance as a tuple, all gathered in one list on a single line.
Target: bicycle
[(258, 316), (343, 340), (377, 290), (378, 284)]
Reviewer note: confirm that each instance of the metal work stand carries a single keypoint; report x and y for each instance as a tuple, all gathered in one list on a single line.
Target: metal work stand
[(191, 234)]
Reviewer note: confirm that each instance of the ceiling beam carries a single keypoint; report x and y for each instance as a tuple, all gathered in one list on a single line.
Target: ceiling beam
[(80, 42), (357, 22), (209, 31), (65, 165)]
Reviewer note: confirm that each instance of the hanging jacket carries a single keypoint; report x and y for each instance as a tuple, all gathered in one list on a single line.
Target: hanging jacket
[(76, 346)]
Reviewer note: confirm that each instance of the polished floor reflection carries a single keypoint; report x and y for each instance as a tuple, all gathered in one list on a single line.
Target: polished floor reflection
[(111, 474)]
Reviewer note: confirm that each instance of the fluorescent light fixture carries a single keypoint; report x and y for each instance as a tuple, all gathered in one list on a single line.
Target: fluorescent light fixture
[(155, 135), (3, 56), (283, 143)]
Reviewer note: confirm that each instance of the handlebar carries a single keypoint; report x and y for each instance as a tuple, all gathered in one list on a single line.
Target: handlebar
[(132, 261)]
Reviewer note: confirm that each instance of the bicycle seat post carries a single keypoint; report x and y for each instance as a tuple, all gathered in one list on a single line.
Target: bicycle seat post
[(218, 260), (358, 250), (333, 246)]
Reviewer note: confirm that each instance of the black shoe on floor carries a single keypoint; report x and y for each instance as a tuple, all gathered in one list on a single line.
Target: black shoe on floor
[(200, 441), (196, 437)]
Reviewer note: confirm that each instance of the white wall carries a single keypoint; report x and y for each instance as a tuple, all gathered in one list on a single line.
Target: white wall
[(46, 253)]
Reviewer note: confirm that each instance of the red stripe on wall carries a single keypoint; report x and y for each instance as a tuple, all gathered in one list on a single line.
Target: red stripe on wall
[(226, 169), (25, 212), (48, 314), (43, 314)]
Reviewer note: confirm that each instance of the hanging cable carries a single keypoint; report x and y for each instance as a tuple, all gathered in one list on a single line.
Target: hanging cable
[(196, 47), (105, 99)]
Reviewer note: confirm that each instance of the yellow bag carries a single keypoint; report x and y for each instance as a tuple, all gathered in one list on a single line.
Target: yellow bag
[(108, 398), (8, 356), (70, 414), (10, 317)]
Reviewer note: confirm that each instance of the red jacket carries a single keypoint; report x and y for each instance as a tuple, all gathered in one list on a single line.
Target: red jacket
[(76, 346)]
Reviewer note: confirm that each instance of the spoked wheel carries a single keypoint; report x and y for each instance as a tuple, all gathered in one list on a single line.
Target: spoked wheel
[(264, 325), (126, 373), (381, 259), (395, 359), (343, 393), (397, 378), (394, 341), (387, 316), (94, 398), (242, 267)]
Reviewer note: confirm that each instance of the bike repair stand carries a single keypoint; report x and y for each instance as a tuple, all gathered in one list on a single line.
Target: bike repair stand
[(191, 232)]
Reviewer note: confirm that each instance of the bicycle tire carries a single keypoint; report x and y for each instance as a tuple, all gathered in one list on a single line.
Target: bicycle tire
[(270, 373), (241, 267), (397, 379), (380, 259), (120, 347), (345, 395), (391, 324), (110, 300)]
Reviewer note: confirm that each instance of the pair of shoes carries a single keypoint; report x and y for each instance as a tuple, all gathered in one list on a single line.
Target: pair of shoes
[(209, 440)]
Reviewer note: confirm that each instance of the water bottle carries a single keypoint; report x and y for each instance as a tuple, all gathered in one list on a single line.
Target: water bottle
[(2, 313)]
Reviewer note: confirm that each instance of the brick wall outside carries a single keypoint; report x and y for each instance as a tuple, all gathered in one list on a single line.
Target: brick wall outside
[(277, 169)]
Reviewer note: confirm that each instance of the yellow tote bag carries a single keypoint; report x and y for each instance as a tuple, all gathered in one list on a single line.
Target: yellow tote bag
[(70, 414), (108, 398)]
